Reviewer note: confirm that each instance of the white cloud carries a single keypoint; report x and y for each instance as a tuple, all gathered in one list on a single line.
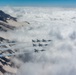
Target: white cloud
[(47, 23)]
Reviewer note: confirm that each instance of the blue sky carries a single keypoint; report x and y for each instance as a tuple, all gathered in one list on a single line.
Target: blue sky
[(38, 2)]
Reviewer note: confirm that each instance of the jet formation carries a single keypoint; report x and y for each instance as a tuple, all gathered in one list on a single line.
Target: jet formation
[(40, 43)]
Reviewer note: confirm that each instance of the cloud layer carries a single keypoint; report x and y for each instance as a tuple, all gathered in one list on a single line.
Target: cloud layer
[(57, 24)]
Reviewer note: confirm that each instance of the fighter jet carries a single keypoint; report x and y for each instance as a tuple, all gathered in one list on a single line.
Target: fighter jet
[(42, 50), (49, 40), (46, 44), (40, 45), (38, 40), (33, 41), (44, 40), (34, 45), (35, 50)]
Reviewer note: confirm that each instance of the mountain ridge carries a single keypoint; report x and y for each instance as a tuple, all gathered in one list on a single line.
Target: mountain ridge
[(5, 17)]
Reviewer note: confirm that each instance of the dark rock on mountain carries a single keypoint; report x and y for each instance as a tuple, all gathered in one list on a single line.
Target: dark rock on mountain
[(6, 40), (2, 29), (7, 26), (7, 22), (1, 39), (2, 70), (4, 17), (4, 25)]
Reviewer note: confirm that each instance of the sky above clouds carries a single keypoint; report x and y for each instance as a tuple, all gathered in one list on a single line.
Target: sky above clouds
[(37, 2)]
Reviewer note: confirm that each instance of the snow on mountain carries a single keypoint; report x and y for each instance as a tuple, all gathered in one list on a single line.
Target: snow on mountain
[(56, 24)]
